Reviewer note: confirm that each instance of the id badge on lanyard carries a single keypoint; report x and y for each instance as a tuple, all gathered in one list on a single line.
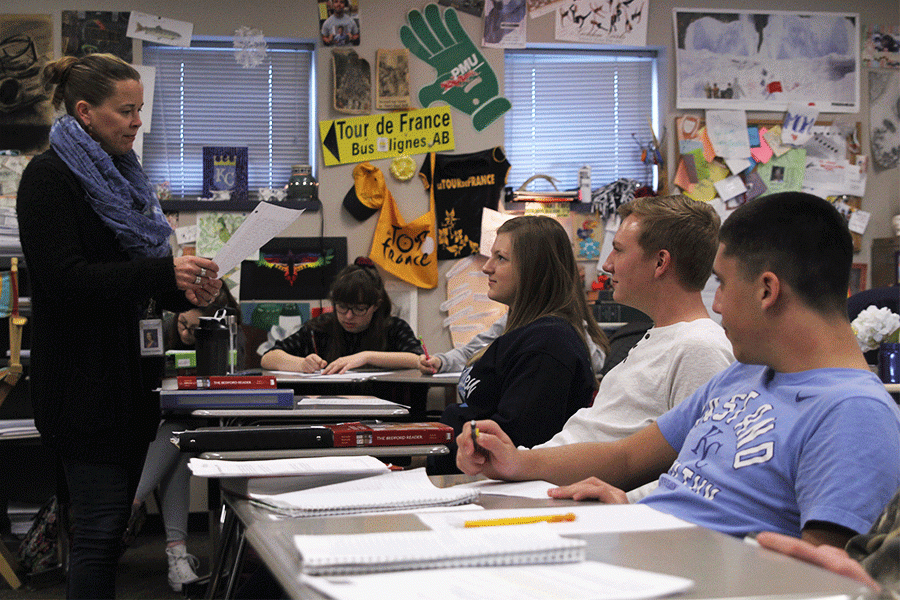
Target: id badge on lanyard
[(151, 333)]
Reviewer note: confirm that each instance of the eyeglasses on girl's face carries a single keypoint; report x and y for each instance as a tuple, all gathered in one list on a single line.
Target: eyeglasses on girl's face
[(358, 309)]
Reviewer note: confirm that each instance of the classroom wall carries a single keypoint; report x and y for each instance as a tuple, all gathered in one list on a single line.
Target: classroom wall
[(381, 22)]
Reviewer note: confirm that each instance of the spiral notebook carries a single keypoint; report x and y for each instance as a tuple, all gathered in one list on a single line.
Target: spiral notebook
[(355, 554), (401, 490)]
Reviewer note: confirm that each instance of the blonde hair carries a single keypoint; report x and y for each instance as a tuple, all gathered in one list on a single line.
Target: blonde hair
[(91, 78), (688, 229)]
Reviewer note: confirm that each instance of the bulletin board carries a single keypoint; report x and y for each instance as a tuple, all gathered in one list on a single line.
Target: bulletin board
[(831, 161)]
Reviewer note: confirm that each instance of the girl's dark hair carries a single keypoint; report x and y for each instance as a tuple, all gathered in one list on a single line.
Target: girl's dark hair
[(91, 78), (359, 283)]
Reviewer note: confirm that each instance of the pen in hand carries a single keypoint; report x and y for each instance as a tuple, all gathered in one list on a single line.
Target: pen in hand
[(425, 349), (475, 432)]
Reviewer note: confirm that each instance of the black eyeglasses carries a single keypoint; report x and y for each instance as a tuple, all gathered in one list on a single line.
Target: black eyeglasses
[(358, 309)]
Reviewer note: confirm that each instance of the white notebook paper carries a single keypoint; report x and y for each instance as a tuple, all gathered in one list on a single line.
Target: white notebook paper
[(399, 490), (572, 581), (406, 550)]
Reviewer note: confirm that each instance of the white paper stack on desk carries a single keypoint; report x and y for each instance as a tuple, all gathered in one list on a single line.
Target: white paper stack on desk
[(359, 553), (402, 490)]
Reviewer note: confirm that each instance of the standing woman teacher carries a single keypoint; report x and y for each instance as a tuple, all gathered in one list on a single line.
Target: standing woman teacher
[(97, 249)]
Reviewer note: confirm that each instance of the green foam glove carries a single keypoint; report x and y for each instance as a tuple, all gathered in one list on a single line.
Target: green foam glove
[(465, 81)]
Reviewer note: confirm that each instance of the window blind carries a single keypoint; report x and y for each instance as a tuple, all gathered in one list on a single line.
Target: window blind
[(203, 97), (572, 108)]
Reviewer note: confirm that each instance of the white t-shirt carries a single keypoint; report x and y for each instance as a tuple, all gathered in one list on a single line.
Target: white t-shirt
[(666, 366)]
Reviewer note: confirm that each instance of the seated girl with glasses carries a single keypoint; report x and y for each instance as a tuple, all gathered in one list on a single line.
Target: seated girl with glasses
[(360, 332)]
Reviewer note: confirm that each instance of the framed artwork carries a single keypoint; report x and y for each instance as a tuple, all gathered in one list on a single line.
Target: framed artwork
[(225, 170), (392, 75), (298, 268), (94, 31), (26, 45), (352, 81), (754, 60), (858, 273)]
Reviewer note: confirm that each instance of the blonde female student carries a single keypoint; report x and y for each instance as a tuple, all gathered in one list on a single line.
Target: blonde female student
[(360, 332), (538, 373)]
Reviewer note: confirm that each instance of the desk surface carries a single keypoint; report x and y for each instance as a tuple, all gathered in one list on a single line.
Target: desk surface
[(721, 566)]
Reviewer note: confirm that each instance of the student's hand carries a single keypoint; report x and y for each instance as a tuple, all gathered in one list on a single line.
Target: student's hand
[(828, 557), (495, 455), (312, 363), (429, 366), (198, 278), (345, 363), (590, 489)]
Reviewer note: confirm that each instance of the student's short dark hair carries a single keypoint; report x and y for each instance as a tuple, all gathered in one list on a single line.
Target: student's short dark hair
[(801, 238)]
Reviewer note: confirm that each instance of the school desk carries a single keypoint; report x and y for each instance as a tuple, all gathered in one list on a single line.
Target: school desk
[(721, 566)]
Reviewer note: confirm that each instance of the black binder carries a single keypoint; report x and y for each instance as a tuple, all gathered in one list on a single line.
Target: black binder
[(284, 437)]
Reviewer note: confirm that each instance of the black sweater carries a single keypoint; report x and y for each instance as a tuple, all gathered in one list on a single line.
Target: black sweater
[(90, 387)]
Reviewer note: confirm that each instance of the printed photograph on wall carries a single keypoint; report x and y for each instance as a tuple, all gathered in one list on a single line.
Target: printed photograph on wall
[(884, 117), (296, 268), (764, 61), (225, 173), (352, 80), (612, 22), (92, 32), (472, 7), (392, 75), (339, 22), (26, 46), (881, 47), (505, 25)]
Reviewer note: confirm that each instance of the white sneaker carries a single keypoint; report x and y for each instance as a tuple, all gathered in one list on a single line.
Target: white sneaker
[(181, 566)]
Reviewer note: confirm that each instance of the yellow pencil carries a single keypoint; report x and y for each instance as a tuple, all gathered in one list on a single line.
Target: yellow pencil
[(521, 520)]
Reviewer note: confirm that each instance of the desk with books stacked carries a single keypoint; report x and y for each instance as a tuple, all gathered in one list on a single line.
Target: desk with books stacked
[(408, 387), (555, 549), (253, 419)]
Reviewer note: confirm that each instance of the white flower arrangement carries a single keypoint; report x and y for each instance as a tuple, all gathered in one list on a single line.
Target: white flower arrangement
[(875, 326)]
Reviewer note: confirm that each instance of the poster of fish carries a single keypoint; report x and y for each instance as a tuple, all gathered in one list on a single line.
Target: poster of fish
[(161, 30)]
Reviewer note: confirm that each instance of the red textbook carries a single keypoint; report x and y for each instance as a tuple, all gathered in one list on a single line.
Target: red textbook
[(227, 382), (389, 434)]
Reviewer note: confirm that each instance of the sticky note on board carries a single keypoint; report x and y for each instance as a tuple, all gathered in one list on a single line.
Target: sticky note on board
[(761, 151), (681, 176), (709, 152), (859, 220), (700, 164), (730, 187), (773, 138)]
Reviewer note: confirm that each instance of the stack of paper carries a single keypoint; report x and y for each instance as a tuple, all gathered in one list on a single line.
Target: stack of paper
[(404, 550), (393, 491), (324, 465), (572, 581)]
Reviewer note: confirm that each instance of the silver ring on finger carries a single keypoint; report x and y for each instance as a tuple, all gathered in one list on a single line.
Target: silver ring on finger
[(198, 280), (202, 271)]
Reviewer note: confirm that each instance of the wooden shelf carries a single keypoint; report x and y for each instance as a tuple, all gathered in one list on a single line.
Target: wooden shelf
[(232, 205)]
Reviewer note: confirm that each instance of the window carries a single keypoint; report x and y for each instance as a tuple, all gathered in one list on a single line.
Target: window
[(203, 97), (578, 107)]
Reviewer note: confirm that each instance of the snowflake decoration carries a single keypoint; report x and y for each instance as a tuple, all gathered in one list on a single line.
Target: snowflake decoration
[(249, 47), (590, 249)]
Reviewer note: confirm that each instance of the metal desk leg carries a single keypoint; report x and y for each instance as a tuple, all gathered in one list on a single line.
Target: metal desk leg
[(230, 533)]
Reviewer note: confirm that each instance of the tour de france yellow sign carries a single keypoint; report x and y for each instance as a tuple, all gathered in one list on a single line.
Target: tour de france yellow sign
[(362, 139)]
